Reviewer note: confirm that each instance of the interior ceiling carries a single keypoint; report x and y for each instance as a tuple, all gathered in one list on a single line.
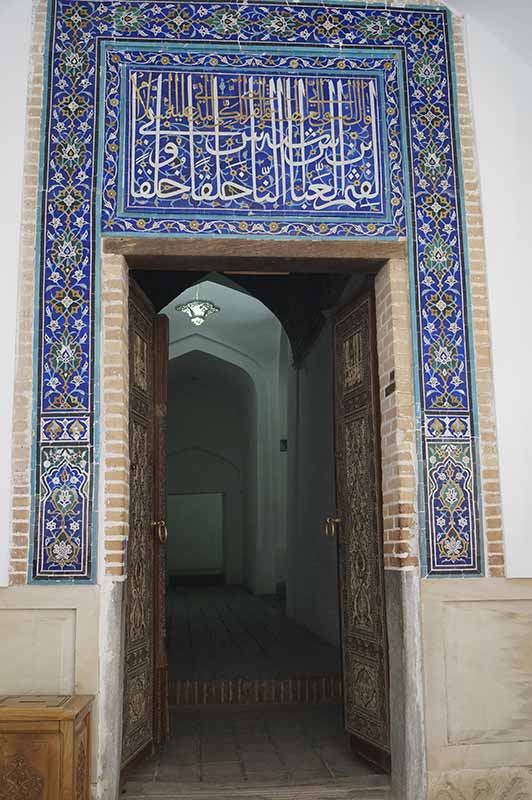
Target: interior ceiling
[(298, 300), (207, 370)]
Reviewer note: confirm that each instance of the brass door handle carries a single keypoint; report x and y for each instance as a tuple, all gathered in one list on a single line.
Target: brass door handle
[(161, 530), (331, 526)]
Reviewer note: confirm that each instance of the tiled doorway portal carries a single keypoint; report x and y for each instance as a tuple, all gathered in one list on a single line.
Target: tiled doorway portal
[(403, 709)]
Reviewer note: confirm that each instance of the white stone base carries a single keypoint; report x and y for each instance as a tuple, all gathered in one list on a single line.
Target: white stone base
[(513, 783)]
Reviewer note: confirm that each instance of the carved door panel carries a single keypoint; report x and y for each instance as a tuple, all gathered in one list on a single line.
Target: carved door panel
[(161, 717), (360, 541), (144, 654)]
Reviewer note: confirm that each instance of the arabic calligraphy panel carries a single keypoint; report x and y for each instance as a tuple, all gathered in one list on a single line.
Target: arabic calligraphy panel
[(254, 140), (232, 142)]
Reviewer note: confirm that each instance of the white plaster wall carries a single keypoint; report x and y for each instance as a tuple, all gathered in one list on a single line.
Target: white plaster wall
[(463, 670), (312, 584), (281, 458), (247, 335), (258, 507), (208, 434), (195, 533), (15, 24), (49, 644), (208, 472), (501, 83)]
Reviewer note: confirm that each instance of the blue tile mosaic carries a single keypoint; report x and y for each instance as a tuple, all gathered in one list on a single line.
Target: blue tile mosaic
[(251, 142), (250, 119)]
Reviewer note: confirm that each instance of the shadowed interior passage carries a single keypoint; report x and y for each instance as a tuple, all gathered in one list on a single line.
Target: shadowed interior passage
[(226, 632)]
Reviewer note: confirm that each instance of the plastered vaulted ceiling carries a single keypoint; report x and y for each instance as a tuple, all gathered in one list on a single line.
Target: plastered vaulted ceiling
[(253, 305), (242, 319)]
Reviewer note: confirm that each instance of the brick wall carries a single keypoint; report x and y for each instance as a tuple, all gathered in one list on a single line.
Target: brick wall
[(398, 435), (114, 397), (22, 481)]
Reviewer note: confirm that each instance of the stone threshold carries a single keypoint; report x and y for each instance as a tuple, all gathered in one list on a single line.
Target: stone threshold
[(374, 787), (243, 691)]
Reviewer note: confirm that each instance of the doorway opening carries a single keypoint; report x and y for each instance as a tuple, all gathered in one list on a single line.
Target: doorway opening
[(268, 546)]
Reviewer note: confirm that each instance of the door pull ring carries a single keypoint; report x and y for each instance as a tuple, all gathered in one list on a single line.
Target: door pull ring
[(161, 530), (331, 526)]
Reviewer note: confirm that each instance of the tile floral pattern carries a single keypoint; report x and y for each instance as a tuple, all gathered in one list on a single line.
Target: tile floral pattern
[(400, 176)]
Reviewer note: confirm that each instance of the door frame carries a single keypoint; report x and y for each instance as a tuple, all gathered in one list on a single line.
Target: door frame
[(388, 262)]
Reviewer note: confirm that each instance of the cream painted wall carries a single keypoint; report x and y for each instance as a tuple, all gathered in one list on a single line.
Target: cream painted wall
[(462, 669), (281, 458), (210, 414), (195, 533), (502, 100), (311, 581), (246, 335), (15, 23)]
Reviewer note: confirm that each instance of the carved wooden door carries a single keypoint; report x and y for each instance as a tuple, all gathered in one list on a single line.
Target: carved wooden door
[(161, 718), (360, 540), (145, 712)]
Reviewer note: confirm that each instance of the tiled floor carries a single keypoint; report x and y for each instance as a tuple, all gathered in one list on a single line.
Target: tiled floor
[(226, 632), (253, 747)]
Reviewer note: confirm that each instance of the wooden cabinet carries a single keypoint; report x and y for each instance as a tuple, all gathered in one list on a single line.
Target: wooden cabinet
[(45, 747)]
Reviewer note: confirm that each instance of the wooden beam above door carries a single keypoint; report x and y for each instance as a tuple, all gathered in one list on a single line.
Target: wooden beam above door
[(220, 253)]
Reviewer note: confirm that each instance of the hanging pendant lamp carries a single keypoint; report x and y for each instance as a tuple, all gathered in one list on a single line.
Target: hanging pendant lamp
[(197, 310)]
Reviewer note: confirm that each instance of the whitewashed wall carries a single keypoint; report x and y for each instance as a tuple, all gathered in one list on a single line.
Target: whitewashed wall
[(247, 336), (311, 579), (502, 100), (195, 533), (501, 73), (210, 414), (15, 24)]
